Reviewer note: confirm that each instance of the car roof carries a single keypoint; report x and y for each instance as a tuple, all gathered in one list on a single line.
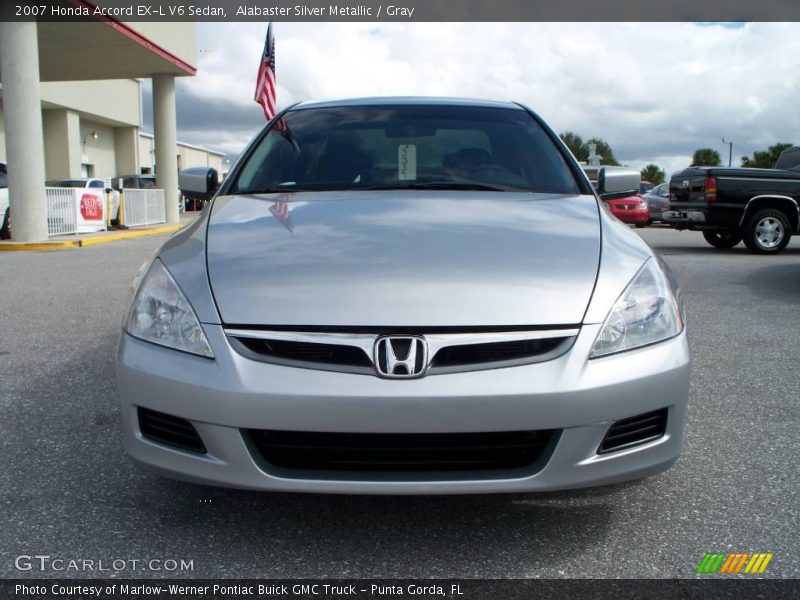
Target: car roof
[(407, 101)]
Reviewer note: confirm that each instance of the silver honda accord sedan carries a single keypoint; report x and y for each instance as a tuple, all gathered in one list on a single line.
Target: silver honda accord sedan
[(405, 296)]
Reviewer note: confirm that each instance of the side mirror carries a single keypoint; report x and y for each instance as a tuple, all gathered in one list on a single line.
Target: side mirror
[(617, 182), (198, 183)]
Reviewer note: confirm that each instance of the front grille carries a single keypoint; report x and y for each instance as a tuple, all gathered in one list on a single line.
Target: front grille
[(355, 352), (399, 452), (171, 431), (472, 354), (306, 352), (634, 431)]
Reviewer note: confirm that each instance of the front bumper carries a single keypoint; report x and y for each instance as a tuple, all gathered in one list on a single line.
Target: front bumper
[(581, 398), (631, 217), (684, 219), (656, 210)]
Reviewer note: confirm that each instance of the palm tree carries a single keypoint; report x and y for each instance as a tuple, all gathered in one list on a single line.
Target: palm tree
[(654, 174), (706, 157)]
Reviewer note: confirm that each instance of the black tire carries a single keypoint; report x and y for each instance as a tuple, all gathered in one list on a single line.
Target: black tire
[(722, 239), (641, 225), (767, 232), (5, 230)]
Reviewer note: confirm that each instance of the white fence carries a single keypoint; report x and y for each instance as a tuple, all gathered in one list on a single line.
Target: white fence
[(143, 207), (62, 211)]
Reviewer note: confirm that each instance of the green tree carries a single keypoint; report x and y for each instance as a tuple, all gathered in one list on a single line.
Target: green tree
[(706, 157), (654, 174), (575, 144), (580, 149), (765, 159)]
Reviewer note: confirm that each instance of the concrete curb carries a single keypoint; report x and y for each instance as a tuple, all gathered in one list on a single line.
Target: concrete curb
[(92, 241)]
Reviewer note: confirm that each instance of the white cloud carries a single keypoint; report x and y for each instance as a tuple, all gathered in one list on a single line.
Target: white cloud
[(654, 91)]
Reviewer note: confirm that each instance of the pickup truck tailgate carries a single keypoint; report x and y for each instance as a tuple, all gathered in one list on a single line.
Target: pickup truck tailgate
[(687, 189)]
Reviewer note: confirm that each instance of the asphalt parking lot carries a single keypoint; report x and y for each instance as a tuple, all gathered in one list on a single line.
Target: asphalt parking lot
[(66, 489)]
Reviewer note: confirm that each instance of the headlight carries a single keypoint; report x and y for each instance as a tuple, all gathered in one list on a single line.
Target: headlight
[(648, 311), (161, 314)]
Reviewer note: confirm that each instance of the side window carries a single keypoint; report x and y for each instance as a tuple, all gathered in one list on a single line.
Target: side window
[(3, 179), (96, 184), (794, 160), (790, 159)]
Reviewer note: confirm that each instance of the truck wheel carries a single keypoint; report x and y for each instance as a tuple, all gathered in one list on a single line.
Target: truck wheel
[(5, 230), (722, 239), (767, 232)]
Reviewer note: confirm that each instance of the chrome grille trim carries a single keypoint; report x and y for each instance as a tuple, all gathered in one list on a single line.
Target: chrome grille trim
[(435, 341)]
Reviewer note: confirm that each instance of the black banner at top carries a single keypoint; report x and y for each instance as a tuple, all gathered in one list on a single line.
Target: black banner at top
[(402, 10)]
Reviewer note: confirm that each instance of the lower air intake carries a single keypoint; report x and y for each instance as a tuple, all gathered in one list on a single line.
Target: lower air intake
[(634, 431), (400, 452), (174, 432)]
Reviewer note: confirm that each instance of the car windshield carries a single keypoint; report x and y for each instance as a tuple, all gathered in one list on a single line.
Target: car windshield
[(406, 147)]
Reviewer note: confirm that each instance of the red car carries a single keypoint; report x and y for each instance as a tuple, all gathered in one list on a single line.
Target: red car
[(631, 210)]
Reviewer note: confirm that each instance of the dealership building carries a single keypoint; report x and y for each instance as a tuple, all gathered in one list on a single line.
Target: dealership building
[(93, 129), (72, 107)]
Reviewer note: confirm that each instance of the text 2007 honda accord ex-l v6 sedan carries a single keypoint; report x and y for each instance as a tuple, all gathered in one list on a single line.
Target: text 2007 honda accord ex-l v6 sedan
[(405, 295)]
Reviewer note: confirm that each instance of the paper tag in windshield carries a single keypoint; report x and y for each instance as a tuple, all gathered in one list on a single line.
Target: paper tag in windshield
[(406, 162)]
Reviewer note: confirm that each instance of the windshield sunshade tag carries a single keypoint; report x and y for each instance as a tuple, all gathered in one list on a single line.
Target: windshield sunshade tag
[(406, 162)]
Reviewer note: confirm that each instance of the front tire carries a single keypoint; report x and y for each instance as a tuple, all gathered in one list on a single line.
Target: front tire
[(722, 239), (767, 232)]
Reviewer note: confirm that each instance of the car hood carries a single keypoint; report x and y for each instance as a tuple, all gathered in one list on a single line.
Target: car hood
[(403, 258)]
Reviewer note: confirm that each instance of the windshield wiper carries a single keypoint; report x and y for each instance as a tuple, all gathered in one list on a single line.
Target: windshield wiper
[(443, 185)]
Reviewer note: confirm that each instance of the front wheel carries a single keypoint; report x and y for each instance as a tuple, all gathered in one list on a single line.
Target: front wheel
[(722, 239), (767, 232)]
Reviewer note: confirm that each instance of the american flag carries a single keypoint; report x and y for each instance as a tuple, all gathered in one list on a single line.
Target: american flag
[(266, 86), (280, 210)]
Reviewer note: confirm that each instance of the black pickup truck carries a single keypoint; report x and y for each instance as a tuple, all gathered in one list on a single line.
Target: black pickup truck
[(759, 206)]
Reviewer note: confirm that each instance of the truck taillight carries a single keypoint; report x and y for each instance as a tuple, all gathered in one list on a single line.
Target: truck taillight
[(711, 189)]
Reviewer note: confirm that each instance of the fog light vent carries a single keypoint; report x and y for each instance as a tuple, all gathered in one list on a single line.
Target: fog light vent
[(174, 432), (634, 431)]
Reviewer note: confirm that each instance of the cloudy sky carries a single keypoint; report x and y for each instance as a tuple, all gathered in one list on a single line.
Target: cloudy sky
[(655, 92)]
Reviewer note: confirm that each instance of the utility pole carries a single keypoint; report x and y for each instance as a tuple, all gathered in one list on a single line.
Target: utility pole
[(730, 151)]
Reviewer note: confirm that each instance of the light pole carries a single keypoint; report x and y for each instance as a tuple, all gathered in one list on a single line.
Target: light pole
[(730, 151)]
